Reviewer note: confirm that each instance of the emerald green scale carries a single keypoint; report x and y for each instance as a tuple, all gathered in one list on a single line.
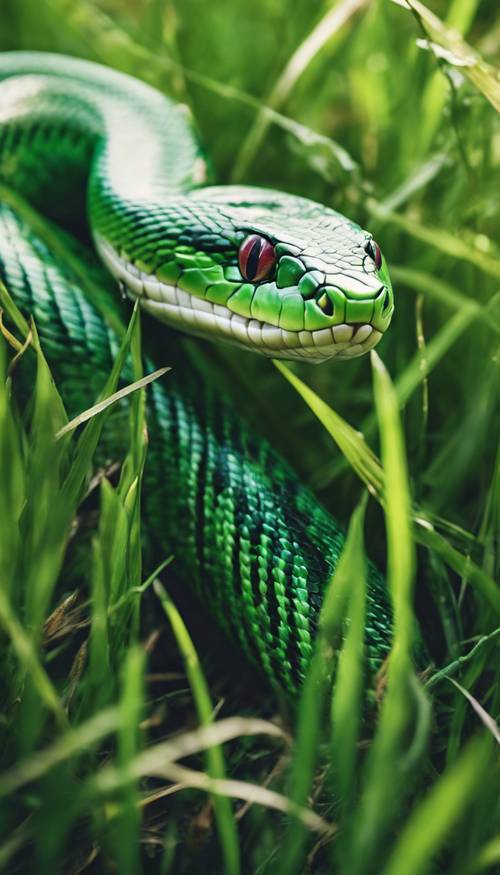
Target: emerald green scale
[(255, 545)]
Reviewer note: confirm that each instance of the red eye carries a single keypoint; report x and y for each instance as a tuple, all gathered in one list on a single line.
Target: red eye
[(256, 258), (373, 250)]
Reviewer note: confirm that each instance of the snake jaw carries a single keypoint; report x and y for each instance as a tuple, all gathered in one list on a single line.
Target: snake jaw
[(201, 317)]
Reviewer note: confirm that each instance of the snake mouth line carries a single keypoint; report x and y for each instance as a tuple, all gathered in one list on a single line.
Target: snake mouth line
[(202, 318)]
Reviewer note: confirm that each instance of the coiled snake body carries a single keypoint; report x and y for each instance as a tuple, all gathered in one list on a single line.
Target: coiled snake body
[(265, 270)]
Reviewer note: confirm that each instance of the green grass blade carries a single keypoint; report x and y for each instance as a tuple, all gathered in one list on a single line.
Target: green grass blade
[(350, 442), (109, 401), (87, 443), (27, 655), (100, 679), (385, 779), (125, 831), (347, 700), (463, 565), (13, 481), (311, 711), (400, 547), (215, 758), (444, 805), (478, 251), (368, 467)]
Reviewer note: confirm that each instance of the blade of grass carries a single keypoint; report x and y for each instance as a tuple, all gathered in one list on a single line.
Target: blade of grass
[(215, 759), (160, 760), (126, 829), (486, 857), (458, 52), (367, 466), (328, 27), (12, 478), (43, 515), (28, 658), (75, 740), (88, 440), (347, 702), (444, 805), (457, 664), (400, 547), (310, 726), (351, 442), (130, 485), (486, 719), (385, 777), (223, 788), (462, 565), (187, 744), (479, 250), (100, 680), (436, 288), (110, 400), (459, 17)]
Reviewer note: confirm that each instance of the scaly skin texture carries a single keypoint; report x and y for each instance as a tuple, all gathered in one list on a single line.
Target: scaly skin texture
[(176, 245), (252, 541)]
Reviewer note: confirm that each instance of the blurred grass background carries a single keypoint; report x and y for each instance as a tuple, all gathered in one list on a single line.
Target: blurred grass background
[(350, 104)]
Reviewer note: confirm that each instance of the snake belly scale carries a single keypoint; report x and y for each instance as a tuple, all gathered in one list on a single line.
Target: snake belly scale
[(91, 148)]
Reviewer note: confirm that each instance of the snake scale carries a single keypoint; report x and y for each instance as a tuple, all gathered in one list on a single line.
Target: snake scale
[(95, 150)]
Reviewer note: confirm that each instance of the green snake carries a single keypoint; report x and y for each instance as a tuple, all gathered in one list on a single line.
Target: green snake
[(101, 154)]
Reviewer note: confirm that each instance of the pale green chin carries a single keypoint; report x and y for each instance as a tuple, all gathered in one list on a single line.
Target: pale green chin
[(201, 317)]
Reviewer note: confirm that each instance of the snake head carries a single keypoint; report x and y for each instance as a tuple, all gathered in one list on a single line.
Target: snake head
[(275, 273)]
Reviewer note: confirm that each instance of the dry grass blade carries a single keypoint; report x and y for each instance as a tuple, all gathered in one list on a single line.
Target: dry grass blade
[(251, 793), (73, 741), (187, 744), (486, 719), (448, 44), (9, 337), (160, 761)]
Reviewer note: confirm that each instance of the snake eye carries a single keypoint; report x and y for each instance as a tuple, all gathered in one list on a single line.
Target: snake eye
[(256, 258), (373, 250)]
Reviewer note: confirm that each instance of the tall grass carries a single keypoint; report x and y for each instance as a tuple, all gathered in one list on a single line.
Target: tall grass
[(130, 747)]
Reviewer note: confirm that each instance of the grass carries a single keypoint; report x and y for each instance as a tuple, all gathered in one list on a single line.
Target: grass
[(134, 747)]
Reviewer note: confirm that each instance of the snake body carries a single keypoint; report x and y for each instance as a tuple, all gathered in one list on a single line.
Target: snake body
[(92, 148)]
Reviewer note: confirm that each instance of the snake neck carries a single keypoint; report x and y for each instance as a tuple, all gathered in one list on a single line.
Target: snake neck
[(68, 126)]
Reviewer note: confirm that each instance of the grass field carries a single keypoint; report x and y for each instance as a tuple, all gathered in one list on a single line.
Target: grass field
[(134, 739)]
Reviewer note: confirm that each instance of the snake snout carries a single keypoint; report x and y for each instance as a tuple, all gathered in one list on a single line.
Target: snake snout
[(383, 308)]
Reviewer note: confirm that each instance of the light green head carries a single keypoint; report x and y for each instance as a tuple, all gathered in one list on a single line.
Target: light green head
[(275, 273)]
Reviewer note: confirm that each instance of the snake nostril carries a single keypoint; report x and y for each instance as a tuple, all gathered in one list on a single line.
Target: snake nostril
[(325, 303)]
